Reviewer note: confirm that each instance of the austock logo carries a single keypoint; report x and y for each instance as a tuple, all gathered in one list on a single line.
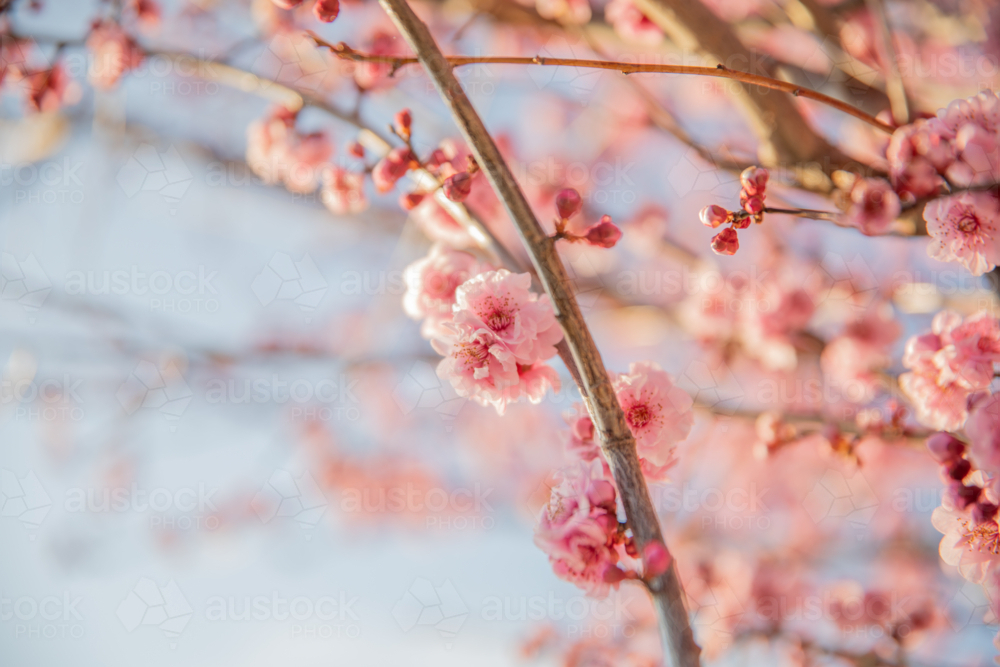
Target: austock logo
[(285, 279), (24, 498), (163, 607), (148, 170), (23, 282), (285, 496), (439, 607), (151, 387)]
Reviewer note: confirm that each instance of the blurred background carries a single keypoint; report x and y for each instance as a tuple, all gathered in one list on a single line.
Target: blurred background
[(222, 441)]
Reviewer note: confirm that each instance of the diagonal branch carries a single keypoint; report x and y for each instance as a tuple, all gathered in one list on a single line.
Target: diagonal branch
[(609, 421)]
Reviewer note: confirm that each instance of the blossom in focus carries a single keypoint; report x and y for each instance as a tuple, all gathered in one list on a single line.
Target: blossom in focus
[(873, 206), (947, 365), (578, 530), (478, 365), (502, 303), (964, 228), (343, 191), (973, 548), (113, 53), (658, 413)]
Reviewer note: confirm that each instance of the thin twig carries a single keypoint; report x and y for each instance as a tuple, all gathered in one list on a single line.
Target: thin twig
[(617, 442), (719, 71), (894, 88)]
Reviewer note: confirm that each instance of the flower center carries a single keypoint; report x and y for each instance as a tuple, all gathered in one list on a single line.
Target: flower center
[(499, 314), (968, 223), (639, 415)]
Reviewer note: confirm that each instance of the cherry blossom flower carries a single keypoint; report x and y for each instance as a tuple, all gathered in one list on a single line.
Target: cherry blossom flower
[(113, 53), (534, 382), (964, 229), (948, 364), (343, 191), (578, 530), (278, 154), (973, 548), (658, 413), (873, 206), (502, 303), (370, 75), (51, 89), (431, 283), (983, 429), (856, 356), (478, 365)]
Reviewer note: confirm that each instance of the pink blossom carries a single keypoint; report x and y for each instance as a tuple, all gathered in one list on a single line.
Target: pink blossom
[(657, 412), (916, 153), (948, 364), (873, 206), (343, 191), (964, 229), (578, 530), (632, 24), (501, 303), (973, 548), (478, 365), (113, 53), (534, 382), (431, 283), (983, 429), (856, 356), (370, 75)]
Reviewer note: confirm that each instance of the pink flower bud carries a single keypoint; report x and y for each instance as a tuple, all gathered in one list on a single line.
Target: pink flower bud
[(410, 200), (404, 121), (741, 222), (604, 234), (726, 242), (754, 180), (754, 205), (945, 447), (458, 186), (568, 203), (326, 10), (656, 558), (356, 149), (392, 167), (437, 158), (713, 216), (614, 575)]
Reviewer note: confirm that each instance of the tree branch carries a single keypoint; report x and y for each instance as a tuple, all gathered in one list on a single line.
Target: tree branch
[(617, 442), (719, 71)]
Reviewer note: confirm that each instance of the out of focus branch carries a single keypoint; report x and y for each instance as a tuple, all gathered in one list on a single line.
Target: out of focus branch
[(719, 71), (894, 87), (609, 420)]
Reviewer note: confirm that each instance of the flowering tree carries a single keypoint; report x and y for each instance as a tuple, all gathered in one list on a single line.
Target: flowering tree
[(814, 360)]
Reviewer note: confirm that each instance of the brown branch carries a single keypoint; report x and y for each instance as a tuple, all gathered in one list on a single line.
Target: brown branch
[(617, 442), (894, 87), (719, 71)]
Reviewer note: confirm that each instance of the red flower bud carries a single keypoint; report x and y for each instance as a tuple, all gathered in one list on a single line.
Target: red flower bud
[(713, 216), (410, 200), (356, 149), (458, 186), (656, 558), (326, 10), (604, 234), (754, 180), (754, 205), (568, 203), (404, 121), (726, 242)]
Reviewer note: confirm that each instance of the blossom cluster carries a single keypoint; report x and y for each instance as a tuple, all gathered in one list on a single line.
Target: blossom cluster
[(958, 148), (948, 365), (324, 10), (753, 192)]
